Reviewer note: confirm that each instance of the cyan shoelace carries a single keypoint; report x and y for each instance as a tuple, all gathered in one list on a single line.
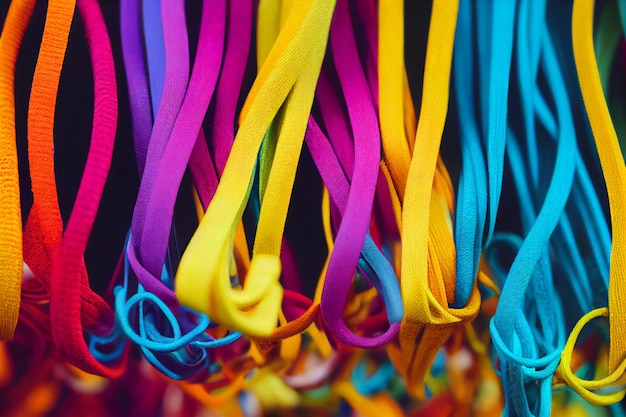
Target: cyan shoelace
[(468, 299)]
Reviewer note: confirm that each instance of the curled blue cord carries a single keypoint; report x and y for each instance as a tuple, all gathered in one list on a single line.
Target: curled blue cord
[(175, 343), (528, 329)]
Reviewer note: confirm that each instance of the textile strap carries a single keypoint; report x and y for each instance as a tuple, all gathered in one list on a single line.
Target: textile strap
[(615, 176), (427, 279), (68, 278), (391, 92), (44, 226), (11, 260), (203, 279)]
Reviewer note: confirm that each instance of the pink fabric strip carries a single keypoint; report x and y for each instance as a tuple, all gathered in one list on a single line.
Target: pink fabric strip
[(356, 219), (231, 80), (68, 281), (223, 120)]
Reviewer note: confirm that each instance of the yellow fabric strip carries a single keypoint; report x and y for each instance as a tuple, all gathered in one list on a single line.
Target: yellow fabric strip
[(203, 280), (586, 388), (392, 91), (615, 177), (290, 126), (421, 307), (267, 28), (428, 256), (410, 122), (272, 16)]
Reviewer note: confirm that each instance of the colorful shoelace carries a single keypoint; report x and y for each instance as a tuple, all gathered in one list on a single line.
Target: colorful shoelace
[(342, 208)]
